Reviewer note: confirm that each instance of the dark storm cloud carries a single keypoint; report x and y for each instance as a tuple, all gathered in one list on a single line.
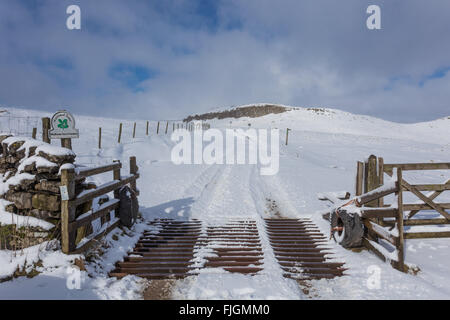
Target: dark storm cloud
[(165, 59)]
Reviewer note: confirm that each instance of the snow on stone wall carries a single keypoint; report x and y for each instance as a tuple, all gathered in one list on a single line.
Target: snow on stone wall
[(30, 202)]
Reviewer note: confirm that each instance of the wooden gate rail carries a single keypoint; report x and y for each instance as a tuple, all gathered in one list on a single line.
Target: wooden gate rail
[(70, 224), (377, 215), (370, 191)]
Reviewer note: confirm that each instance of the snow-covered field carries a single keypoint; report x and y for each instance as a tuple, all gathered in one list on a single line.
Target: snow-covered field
[(321, 156)]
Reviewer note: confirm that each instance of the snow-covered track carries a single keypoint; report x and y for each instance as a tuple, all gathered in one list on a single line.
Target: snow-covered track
[(184, 248)]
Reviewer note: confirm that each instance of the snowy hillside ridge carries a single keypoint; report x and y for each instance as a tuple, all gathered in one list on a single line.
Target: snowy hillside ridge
[(258, 109), (334, 121), (264, 104), (259, 104), (252, 111)]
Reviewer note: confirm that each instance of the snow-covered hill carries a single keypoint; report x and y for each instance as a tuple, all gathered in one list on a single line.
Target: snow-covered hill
[(324, 146), (327, 120)]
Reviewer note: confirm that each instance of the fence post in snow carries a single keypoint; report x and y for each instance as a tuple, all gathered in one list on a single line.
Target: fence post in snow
[(287, 135), (116, 176), (400, 248), (133, 171), (157, 128), (134, 130), (146, 130), (67, 211), (167, 126), (120, 133), (45, 129), (33, 135), (359, 178), (371, 181), (100, 137), (380, 178)]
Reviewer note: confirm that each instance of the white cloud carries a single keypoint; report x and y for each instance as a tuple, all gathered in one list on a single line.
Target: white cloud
[(306, 53)]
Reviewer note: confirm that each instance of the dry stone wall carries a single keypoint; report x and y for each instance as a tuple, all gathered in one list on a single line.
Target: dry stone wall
[(30, 202), (247, 111)]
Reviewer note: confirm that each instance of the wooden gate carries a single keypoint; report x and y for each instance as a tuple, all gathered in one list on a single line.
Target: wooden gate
[(72, 227), (388, 221)]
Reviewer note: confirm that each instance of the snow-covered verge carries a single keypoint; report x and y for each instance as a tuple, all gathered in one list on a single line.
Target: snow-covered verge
[(321, 156), (58, 277)]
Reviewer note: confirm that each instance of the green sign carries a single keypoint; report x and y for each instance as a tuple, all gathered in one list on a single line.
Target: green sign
[(63, 126)]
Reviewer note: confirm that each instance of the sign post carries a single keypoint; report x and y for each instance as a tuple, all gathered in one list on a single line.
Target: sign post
[(63, 127)]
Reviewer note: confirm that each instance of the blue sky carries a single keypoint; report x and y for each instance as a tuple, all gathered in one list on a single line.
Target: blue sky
[(171, 58)]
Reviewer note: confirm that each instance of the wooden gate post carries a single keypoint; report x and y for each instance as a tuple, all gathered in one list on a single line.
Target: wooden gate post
[(116, 176), (371, 178), (133, 171), (33, 135), (45, 129), (67, 211), (359, 178), (400, 247), (380, 178)]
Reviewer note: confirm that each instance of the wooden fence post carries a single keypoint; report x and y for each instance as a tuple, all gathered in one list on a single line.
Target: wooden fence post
[(146, 130), (45, 129), (133, 171), (134, 130), (33, 135), (157, 128), (359, 178), (67, 211), (100, 137), (120, 133), (287, 135), (167, 126), (400, 248), (173, 127)]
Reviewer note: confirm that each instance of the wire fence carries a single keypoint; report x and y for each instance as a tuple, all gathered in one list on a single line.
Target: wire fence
[(19, 126)]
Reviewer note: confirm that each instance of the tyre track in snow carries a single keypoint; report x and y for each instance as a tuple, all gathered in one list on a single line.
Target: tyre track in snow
[(225, 192), (270, 263), (222, 193), (226, 196), (196, 188), (233, 193)]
